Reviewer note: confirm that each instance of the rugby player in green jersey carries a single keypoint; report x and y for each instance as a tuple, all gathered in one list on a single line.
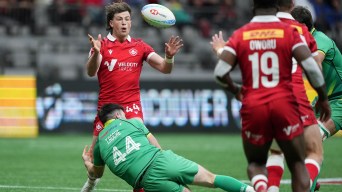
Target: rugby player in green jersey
[(331, 63), (131, 152)]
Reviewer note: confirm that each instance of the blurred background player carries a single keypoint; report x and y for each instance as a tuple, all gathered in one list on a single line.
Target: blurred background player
[(134, 155), (118, 59), (331, 60), (313, 141), (263, 49)]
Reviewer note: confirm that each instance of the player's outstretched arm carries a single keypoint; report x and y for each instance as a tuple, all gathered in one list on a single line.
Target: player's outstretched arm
[(93, 171), (94, 60), (316, 79), (173, 46), (165, 64)]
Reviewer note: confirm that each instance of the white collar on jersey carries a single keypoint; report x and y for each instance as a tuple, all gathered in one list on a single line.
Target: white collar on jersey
[(284, 15), (112, 38), (265, 18)]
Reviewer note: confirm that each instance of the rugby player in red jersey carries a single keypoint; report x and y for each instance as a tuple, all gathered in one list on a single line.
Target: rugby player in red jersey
[(314, 148), (117, 61), (264, 49)]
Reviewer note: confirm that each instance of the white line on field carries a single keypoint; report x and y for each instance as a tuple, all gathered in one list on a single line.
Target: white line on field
[(323, 181), (58, 188)]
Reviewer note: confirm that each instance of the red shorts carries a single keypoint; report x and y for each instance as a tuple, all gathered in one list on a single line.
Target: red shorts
[(277, 119), (305, 110), (132, 110)]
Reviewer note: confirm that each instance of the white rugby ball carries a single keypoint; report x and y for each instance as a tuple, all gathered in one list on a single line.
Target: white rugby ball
[(158, 15)]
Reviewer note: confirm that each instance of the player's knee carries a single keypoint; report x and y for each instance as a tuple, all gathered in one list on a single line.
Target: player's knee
[(254, 167), (276, 151)]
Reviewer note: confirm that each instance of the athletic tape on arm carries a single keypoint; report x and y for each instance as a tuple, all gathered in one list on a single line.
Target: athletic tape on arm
[(313, 72), (222, 68)]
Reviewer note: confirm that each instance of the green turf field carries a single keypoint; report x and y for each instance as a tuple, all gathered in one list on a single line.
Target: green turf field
[(54, 163)]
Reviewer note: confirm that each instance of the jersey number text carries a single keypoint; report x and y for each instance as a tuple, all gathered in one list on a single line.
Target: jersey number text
[(261, 62), (130, 146)]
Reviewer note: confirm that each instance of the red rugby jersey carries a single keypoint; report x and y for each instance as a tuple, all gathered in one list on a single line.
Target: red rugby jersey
[(264, 49), (297, 76), (120, 69)]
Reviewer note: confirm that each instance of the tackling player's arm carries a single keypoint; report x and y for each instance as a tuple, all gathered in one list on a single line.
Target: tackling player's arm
[(93, 171), (316, 79), (165, 65), (95, 57)]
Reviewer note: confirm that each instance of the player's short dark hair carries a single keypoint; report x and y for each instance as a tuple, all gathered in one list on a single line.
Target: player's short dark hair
[(285, 3), (114, 8), (303, 15), (107, 111), (263, 4)]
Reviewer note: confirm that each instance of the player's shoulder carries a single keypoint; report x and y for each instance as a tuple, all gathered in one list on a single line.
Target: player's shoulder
[(134, 121), (259, 27), (291, 28), (301, 28), (105, 41), (138, 41), (321, 36), (265, 25), (240, 30)]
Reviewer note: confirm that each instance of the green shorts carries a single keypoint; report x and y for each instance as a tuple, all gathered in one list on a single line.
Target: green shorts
[(169, 173), (336, 112)]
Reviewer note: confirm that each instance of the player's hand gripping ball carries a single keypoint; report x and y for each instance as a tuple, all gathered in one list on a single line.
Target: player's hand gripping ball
[(158, 15)]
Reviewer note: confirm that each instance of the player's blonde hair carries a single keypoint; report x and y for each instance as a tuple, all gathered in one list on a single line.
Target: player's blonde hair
[(116, 7)]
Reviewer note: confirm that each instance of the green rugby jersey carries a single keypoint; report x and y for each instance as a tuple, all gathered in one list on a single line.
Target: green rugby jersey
[(123, 146), (332, 64)]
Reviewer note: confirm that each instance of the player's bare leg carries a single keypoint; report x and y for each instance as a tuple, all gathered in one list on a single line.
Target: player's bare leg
[(327, 129), (256, 158), (313, 161), (207, 179), (294, 153), (314, 152)]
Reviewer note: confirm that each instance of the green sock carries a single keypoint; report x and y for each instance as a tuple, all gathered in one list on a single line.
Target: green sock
[(324, 131), (229, 184)]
